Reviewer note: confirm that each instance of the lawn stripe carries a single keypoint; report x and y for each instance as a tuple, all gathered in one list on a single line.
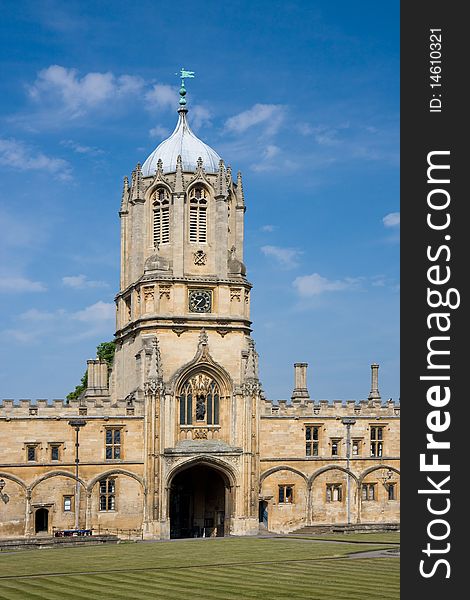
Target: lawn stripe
[(230, 569)]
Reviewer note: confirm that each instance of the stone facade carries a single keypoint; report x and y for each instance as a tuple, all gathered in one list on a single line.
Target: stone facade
[(177, 439)]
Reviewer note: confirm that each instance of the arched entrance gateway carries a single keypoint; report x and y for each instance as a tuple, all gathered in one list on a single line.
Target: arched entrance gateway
[(200, 502)]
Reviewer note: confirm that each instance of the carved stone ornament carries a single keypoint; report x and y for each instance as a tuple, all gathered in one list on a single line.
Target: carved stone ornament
[(251, 388), (164, 290), (152, 386), (199, 434), (200, 257), (235, 294), (203, 339), (247, 296)]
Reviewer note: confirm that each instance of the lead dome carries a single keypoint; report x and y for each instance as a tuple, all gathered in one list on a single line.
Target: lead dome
[(182, 142)]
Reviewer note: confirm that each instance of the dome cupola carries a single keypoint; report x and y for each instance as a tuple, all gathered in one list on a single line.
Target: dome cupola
[(182, 142)]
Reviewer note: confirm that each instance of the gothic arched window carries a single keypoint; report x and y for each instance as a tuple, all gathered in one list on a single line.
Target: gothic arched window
[(199, 401), (161, 217), (198, 215)]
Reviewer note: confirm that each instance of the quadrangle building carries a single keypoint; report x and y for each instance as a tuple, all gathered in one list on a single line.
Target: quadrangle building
[(178, 439)]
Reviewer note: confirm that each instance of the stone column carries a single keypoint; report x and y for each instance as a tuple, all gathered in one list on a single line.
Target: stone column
[(27, 520), (88, 510)]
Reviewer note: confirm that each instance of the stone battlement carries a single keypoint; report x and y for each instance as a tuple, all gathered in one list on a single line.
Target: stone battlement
[(99, 407), (305, 407)]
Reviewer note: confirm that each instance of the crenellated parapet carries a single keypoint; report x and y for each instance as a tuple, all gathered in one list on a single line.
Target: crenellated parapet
[(332, 409), (92, 407)]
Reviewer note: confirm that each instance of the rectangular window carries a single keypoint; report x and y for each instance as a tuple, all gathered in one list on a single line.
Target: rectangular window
[(113, 444), (68, 503), (286, 494), (31, 453), (55, 452), (312, 440), (335, 446), (356, 447), (369, 491), (376, 441), (107, 495), (392, 492), (334, 492)]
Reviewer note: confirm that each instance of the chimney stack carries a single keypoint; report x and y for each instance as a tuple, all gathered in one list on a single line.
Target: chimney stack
[(374, 388), (300, 381)]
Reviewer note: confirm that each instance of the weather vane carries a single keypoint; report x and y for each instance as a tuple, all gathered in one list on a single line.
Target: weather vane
[(184, 75)]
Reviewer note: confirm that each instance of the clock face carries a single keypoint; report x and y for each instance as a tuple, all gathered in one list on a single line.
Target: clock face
[(200, 301)]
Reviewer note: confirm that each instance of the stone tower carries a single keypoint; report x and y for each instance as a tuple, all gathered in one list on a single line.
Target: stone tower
[(183, 338)]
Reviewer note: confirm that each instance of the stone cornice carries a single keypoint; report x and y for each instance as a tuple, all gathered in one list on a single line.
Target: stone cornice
[(189, 279)]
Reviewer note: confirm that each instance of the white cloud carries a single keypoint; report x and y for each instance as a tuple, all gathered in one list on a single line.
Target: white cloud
[(82, 282), (326, 135), (63, 326), (269, 228), (15, 284), (33, 314), (200, 116), (77, 95), (271, 151), (270, 115), (81, 149), (286, 257), (158, 132), (315, 284), (304, 128), (17, 155), (100, 311), (162, 96), (391, 220)]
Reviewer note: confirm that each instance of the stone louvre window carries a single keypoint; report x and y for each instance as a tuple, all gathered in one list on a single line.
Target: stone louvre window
[(161, 218), (334, 492), (286, 494), (198, 215), (376, 441)]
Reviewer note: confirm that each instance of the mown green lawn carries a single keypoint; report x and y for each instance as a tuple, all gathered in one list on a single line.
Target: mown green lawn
[(219, 569), (387, 537)]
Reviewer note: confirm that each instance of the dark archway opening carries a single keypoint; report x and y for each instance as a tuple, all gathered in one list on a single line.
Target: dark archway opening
[(199, 503), (41, 520)]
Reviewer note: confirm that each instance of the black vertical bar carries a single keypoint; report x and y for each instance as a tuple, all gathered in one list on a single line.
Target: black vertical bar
[(434, 127)]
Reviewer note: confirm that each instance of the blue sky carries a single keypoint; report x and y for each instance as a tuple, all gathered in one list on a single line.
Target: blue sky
[(302, 97)]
